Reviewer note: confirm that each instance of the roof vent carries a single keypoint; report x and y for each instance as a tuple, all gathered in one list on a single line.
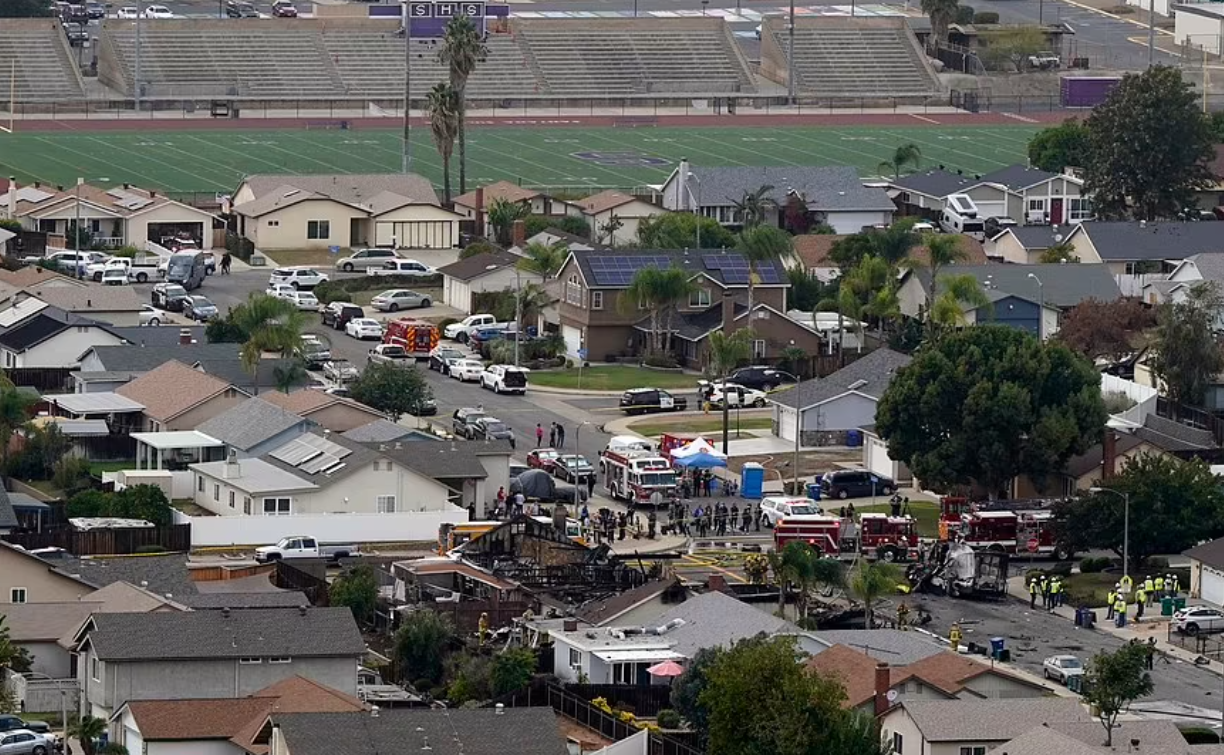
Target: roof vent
[(500, 709), (302, 610), (856, 385), (225, 612)]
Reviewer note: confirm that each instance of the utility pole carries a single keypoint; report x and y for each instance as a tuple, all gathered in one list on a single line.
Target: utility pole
[(518, 319), (407, 156), (139, 18), (790, 56), (1151, 33)]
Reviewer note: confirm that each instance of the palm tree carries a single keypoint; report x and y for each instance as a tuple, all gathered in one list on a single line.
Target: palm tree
[(870, 581), (270, 324), (764, 243), (502, 216), (533, 299), (942, 14), (943, 249), (960, 293), (442, 108), (1060, 252), (894, 243), (906, 154), (461, 49), (726, 353), (88, 730), (874, 284), (288, 375), (803, 565), (645, 291), (545, 260), (675, 286), (754, 205)]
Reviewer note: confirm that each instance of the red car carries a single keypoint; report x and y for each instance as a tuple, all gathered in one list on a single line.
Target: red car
[(543, 458)]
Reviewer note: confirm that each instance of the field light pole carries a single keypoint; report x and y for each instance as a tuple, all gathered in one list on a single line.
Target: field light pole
[(518, 316), (407, 156), (139, 17), (1125, 525), (577, 456), (1151, 33), (1040, 307), (790, 56)]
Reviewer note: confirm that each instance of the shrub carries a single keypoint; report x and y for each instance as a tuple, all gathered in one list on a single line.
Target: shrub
[(475, 248), (659, 360), (1091, 565), (986, 17), (340, 296), (668, 719), (570, 224)]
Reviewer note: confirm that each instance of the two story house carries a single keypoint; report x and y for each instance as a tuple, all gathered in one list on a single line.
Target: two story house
[(212, 654), (1019, 192)]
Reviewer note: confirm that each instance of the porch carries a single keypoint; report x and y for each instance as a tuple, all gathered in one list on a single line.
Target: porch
[(174, 450)]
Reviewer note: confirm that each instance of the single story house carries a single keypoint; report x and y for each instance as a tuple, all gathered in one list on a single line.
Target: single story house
[(487, 271), (812, 252), (1025, 244), (1207, 571), (614, 215), (347, 211), (972, 727), (334, 413), (1199, 268), (178, 397), (1137, 252), (830, 408), (26, 578), (47, 338), (139, 358), (639, 606), (833, 194), (255, 427), (114, 305), (538, 203)]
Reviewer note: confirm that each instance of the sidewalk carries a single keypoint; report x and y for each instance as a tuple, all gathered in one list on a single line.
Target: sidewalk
[(661, 544)]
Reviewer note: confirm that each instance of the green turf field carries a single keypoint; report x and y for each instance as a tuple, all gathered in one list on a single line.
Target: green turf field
[(554, 157)]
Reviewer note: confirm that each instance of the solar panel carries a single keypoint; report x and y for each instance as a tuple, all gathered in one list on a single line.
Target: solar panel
[(619, 270), (325, 445), (295, 452), (319, 463), (735, 269)]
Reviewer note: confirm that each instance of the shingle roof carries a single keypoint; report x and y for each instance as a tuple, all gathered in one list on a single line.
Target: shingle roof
[(1061, 285), (161, 574), (692, 261), (1037, 237), (8, 517), (715, 619), (359, 457), (385, 431), (870, 375), (457, 731), (169, 720), (1210, 553), (32, 274), (13, 551), (34, 330), (1163, 240), (1017, 177), (825, 187), (362, 190), (258, 475), (201, 635), (935, 183), (91, 299), (510, 192), (1090, 461), (443, 461), (693, 326), (1175, 437), (1151, 733), (250, 423), (1044, 740), (1209, 265), (45, 622), (889, 645), (172, 389), (991, 720), (606, 610), (135, 358), (233, 372), (479, 264), (305, 401), (162, 336), (216, 600), (605, 200)]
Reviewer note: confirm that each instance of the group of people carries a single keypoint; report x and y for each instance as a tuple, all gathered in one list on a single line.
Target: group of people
[(703, 483), (1148, 590), (1049, 589), (556, 435)]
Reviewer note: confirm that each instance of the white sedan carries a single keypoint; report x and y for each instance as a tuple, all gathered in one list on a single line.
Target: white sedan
[(129, 12), (304, 301), (280, 290), (115, 275), (362, 328), (467, 370), (152, 316), (158, 11), (1062, 667)]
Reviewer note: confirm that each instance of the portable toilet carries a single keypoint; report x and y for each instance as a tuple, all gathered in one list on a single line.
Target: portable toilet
[(752, 480)]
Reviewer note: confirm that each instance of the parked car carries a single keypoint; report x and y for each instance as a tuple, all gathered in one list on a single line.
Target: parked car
[(397, 299), (77, 33), (302, 546), (855, 483), (158, 12), (313, 352), (463, 422), (298, 277), (759, 377), (284, 9), (466, 370), (338, 314), (365, 258), (390, 353), (458, 331), (1062, 667), (95, 11), (775, 509), (492, 428), (152, 316), (238, 9), (501, 378), (25, 742), (573, 468), (736, 395), (646, 400), (169, 296), (1198, 619), (440, 359), (341, 371), (423, 407), (543, 458), (362, 328), (128, 13), (279, 290), (199, 308), (10, 722), (304, 301), (402, 267), (115, 275)]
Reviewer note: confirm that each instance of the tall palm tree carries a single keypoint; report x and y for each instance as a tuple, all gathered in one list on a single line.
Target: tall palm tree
[(14, 414), (959, 293), (943, 249), (872, 580), (894, 243), (461, 50), (270, 324), (442, 109), (645, 291), (764, 243), (545, 260), (726, 353), (675, 286), (942, 13), (803, 565), (874, 284), (502, 215), (754, 205), (906, 154), (288, 375)]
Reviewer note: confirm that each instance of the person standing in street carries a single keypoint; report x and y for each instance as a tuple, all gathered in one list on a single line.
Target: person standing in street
[(1045, 592), (1033, 590), (1140, 602), (1120, 611), (552, 435), (1149, 587), (1109, 602), (539, 435), (560, 436)]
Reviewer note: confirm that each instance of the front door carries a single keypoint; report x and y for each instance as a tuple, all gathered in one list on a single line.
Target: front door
[(1056, 211)]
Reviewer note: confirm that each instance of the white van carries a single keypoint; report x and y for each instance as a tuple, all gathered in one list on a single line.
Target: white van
[(960, 215)]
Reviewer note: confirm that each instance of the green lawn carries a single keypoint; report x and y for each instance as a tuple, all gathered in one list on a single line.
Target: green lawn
[(557, 158), (98, 467), (704, 425), (926, 512), (616, 377)]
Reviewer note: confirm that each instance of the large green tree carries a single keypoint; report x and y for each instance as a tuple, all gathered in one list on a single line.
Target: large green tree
[(1174, 504), (24, 9), (1057, 147), (1186, 354), (683, 230), (391, 389), (988, 403), (1149, 146), (687, 688), (422, 643), (1114, 680), (357, 589), (268, 324), (461, 50)]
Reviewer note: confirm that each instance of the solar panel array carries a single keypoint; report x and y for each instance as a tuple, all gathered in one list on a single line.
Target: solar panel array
[(619, 271), (735, 269), (312, 454)]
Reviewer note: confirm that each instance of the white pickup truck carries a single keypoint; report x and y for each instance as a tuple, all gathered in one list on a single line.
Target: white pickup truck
[(303, 546)]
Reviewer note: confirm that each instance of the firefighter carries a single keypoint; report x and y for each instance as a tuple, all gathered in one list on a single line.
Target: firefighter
[(903, 617), (1045, 591), (1120, 611), (1034, 590), (1055, 587), (1176, 584), (1148, 588), (483, 628), (1109, 602), (954, 637)]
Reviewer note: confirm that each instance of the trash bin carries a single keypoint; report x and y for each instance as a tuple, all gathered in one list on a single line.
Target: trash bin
[(1079, 616), (1166, 606), (996, 647), (813, 491), (1179, 604), (1089, 618), (1075, 682)]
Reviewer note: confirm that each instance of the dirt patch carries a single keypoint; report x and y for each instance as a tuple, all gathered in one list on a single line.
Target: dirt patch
[(811, 462)]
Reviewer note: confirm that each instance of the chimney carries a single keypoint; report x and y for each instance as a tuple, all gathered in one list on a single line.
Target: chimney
[(184, 336), (717, 583), (1109, 454), (882, 683), (233, 470), (728, 313), (682, 176), (569, 625), (480, 212), (520, 234)]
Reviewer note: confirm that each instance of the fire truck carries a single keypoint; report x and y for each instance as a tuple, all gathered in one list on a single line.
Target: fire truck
[(876, 536), (1004, 526), (418, 337), (640, 478)]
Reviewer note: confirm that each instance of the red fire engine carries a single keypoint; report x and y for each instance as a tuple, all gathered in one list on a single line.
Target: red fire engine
[(876, 536), (638, 477), (418, 337), (1007, 526)]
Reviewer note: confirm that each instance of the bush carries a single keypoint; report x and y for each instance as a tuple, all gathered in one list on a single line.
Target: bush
[(986, 17), (664, 361), (344, 296), (1091, 565), (668, 719), (570, 224), (475, 248), (150, 549), (1200, 736), (71, 475)]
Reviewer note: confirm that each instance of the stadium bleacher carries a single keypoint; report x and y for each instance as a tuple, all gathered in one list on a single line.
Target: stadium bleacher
[(45, 67)]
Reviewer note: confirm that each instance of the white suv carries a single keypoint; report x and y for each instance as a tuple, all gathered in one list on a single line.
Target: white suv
[(501, 378), (1198, 619), (458, 331), (776, 509), (298, 277)]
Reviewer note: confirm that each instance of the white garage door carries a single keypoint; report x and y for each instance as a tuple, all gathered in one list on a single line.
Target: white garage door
[(785, 419), (875, 457), (1212, 587), (573, 339), (991, 209)]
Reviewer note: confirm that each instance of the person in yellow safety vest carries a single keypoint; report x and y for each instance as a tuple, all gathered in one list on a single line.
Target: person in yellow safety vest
[(1127, 583), (1109, 604), (903, 617), (1120, 611), (1141, 597), (1159, 584), (1176, 585), (954, 637), (1149, 587), (1055, 586), (1034, 591)]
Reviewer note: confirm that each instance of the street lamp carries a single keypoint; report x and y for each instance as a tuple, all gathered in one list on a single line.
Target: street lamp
[(406, 158), (1125, 525), (1040, 307)]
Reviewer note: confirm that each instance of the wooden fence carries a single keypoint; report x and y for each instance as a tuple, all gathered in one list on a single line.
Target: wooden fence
[(290, 577), (115, 541)]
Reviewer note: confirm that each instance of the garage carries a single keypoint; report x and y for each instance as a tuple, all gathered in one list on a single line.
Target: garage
[(877, 460), (1207, 571), (784, 421), (573, 339), (1212, 586)]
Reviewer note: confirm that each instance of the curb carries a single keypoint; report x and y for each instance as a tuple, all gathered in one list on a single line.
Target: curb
[(573, 392)]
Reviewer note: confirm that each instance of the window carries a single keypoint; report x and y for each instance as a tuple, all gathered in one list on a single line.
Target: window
[(1078, 209), (597, 300), (318, 229), (700, 298), (17, 595), (216, 492), (276, 506), (200, 484), (231, 499), (1036, 205), (573, 291), (386, 504), (758, 349), (95, 669), (246, 506), (575, 658), (250, 661), (280, 659), (274, 224), (898, 744), (973, 751)]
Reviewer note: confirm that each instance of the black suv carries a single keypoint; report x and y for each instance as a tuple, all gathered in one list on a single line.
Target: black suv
[(464, 422), (169, 296), (855, 483), (236, 9), (646, 400), (760, 378), (337, 314)]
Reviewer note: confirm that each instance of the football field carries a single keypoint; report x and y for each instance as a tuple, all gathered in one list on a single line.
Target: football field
[(578, 159)]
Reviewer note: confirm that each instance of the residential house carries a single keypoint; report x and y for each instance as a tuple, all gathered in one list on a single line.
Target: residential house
[(321, 211), (224, 726), (1024, 194), (832, 194), (832, 407), (1025, 244), (47, 338), (1088, 738), (945, 676), (461, 590), (473, 471), (119, 413), (255, 427), (32, 275), (971, 727), (139, 358), (1207, 571), (477, 201), (594, 321), (334, 413), (1198, 268), (212, 654), (812, 252), (614, 215), (177, 397), (114, 305), (119, 216), (488, 271), (26, 578), (636, 607), (303, 475), (1211, 198), (1138, 252), (478, 731), (893, 646), (385, 431)]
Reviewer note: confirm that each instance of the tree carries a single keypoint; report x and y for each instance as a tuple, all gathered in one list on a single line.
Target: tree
[(764, 244), (802, 565), (658, 290), (805, 289), (942, 13), (14, 414), (683, 230), (1014, 45), (13, 657), (795, 216), (475, 248), (503, 214), (1149, 145), (1060, 252), (512, 670), (1106, 330), (726, 353), (961, 293), (942, 250), (1187, 355), (356, 589), (571, 224), (906, 154), (545, 260), (895, 243), (1114, 680), (1177, 503), (147, 502), (24, 9), (872, 580), (988, 403), (422, 643), (1058, 147), (849, 251), (88, 730), (687, 688), (442, 109), (754, 206), (391, 389), (289, 374), (461, 50), (965, 14), (269, 324), (607, 230)]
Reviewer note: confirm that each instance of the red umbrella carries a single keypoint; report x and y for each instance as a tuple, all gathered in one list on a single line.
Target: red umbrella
[(666, 668)]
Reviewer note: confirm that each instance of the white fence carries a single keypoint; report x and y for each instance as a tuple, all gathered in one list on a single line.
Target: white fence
[(45, 695), (1132, 285), (414, 526), (1144, 397)]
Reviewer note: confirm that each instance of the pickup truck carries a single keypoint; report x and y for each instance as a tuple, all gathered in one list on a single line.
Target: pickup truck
[(140, 268), (303, 546), (389, 353), (341, 371)]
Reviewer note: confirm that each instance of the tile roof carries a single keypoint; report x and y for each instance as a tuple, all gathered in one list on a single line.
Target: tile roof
[(172, 389), (91, 299), (252, 422), (477, 265), (1175, 437), (827, 188), (510, 192), (8, 517), (305, 401), (990, 720), (692, 261), (1210, 553), (814, 248), (1017, 177), (362, 190), (385, 431), (935, 182), (606, 200), (443, 461), (605, 610), (870, 375), (204, 635), (457, 731), (889, 645), (1162, 240), (138, 358), (1061, 285), (258, 476), (715, 619)]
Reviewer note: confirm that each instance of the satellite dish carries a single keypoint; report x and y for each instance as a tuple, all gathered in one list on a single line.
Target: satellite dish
[(892, 695)]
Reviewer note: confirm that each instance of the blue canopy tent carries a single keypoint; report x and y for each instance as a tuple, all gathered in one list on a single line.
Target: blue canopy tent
[(700, 461)]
